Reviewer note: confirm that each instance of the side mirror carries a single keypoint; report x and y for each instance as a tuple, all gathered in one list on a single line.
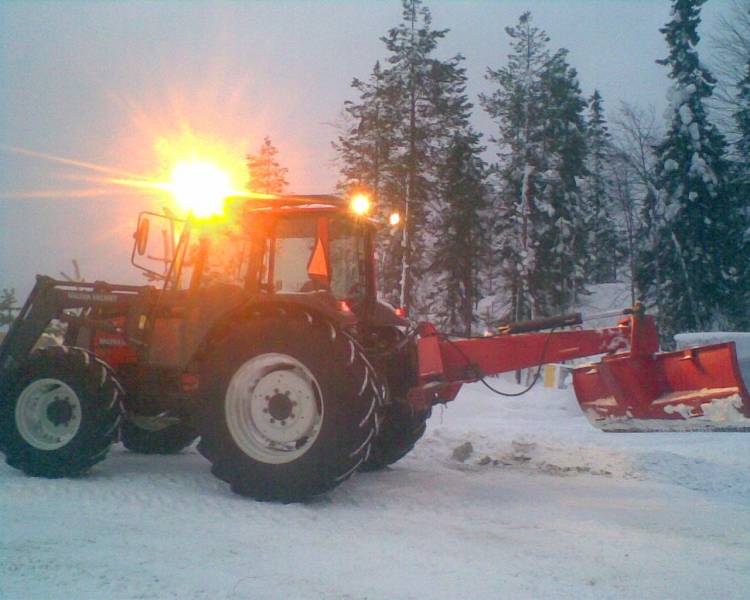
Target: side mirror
[(141, 235), (154, 244)]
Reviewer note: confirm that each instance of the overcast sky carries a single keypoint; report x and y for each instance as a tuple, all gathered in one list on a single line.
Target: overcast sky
[(101, 81)]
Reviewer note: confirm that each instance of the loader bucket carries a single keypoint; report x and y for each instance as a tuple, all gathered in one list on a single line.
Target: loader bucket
[(695, 389)]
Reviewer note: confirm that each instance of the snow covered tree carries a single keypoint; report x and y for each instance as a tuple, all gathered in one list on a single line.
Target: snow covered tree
[(368, 151), (265, 174), (426, 97), (730, 41), (515, 106), (538, 109), (741, 187), (690, 264), (633, 168), (599, 214), (431, 102), (459, 234), (562, 251), (742, 118)]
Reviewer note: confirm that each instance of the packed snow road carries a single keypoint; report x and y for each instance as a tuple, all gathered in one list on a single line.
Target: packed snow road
[(536, 505)]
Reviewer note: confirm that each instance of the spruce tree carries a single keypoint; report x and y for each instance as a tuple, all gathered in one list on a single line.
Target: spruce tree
[(741, 193), (459, 234), (368, 149), (562, 251), (515, 106), (422, 101), (742, 118), (429, 98), (690, 268), (541, 139), (599, 214), (265, 174)]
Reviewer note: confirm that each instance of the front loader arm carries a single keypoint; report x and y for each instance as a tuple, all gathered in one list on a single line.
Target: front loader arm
[(48, 300)]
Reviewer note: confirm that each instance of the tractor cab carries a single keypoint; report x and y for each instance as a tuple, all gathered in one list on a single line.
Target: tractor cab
[(287, 245), (313, 251)]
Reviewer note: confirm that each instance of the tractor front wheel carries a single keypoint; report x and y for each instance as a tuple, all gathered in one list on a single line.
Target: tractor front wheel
[(291, 407), (59, 413)]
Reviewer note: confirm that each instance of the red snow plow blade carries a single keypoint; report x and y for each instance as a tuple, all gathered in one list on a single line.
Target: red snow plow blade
[(695, 389), (633, 388)]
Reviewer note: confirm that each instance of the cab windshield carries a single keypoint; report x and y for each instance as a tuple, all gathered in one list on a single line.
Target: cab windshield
[(297, 261), (294, 254)]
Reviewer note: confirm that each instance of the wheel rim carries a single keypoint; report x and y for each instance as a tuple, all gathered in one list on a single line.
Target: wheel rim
[(48, 414), (273, 408)]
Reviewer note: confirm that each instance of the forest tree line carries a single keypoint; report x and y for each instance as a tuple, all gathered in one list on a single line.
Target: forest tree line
[(569, 199)]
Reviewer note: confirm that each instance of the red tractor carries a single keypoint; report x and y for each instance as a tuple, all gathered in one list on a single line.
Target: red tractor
[(265, 338)]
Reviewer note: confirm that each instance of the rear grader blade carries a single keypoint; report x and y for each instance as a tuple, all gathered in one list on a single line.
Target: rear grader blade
[(695, 389), (634, 387)]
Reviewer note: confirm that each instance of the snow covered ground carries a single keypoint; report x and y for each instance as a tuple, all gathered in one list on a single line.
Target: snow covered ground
[(543, 507)]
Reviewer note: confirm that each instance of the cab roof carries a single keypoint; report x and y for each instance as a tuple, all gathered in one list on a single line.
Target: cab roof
[(271, 202)]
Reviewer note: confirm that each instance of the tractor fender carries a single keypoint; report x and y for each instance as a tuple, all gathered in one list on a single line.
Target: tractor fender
[(300, 304), (383, 314)]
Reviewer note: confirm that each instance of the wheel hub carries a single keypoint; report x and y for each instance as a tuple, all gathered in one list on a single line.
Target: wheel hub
[(273, 408), (280, 406), (48, 414), (59, 411)]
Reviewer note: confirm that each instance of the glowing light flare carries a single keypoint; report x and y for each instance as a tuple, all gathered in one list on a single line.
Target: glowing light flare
[(394, 219), (200, 187), (360, 204)]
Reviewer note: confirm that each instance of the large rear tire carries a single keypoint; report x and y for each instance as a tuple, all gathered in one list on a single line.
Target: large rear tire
[(291, 407), (399, 432), (59, 413)]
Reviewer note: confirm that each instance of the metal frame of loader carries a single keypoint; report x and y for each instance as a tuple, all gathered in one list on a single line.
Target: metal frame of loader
[(50, 298)]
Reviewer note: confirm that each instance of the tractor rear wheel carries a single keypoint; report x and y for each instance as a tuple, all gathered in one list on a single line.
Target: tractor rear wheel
[(145, 435), (291, 407), (400, 431), (59, 413)]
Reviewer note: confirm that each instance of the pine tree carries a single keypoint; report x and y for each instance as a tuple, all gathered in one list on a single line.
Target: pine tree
[(599, 214), (634, 178), (367, 144), (742, 118), (265, 174), (741, 192), (562, 248), (368, 150), (539, 111), (515, 106), (690, 268), (460, 234), (422, 102)]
